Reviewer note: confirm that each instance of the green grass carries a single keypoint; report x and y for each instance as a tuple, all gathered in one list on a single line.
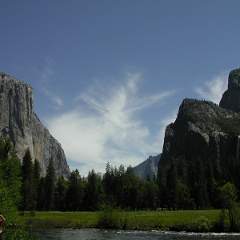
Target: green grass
[(140, 220)]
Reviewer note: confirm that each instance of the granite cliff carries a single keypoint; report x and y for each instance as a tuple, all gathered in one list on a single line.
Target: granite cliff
[(19, 122), (202, 146), (148, 168)]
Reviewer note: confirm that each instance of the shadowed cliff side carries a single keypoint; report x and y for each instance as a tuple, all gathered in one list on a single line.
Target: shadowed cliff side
[(201, 148)]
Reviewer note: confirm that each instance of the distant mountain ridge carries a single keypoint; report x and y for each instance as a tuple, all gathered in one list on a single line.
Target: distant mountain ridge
[(148, 168)]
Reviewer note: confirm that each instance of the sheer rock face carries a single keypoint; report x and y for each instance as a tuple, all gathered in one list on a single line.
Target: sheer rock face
[(21, 124), (231, 98), (203, 134)]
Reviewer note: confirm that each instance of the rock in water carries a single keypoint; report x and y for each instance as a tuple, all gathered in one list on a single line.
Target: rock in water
[(231, 98), (21, 124), (148, 168)]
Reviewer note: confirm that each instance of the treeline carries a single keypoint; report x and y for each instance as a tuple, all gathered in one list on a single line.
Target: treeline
[(26, 189), (194, 187), (117, 187)]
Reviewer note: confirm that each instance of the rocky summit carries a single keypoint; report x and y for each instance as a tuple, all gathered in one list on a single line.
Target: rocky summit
[(231, 98), (204, 141), (19, 122)]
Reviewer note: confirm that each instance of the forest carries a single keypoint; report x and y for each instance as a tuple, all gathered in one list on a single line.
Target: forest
[(119, 188), (23, 189)]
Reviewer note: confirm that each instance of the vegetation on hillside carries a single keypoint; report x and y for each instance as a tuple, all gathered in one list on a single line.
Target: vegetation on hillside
[(10, 192), (111, 194)]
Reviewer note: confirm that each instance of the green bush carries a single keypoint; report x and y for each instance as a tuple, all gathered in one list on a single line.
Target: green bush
[(111, 218), (201, 224), (17, 234)]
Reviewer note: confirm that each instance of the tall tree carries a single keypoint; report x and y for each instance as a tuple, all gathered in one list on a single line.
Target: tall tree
[(50, 186), (75, 192), (201, 192), (27, 186), (172, 187), (10, 180), (60, 194), (41, 195), (94, 191), (108, 184), (36, 182)]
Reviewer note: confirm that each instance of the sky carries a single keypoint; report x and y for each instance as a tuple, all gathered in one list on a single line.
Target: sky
[(109, 76)]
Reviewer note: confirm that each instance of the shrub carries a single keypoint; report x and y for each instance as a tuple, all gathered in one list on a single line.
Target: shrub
[(111, 218), (201, 224)]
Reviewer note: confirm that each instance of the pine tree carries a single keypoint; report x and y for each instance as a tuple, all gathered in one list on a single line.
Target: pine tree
[(36, 182), (172, 187), (201, 193), (27, 186), (94, 192), (41, 195), (10, 180), (75, 192), (60, 194), (50, 186), (108, 187)]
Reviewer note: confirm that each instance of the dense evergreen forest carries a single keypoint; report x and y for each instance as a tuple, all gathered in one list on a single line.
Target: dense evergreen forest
[(119, 188), (23, 188)]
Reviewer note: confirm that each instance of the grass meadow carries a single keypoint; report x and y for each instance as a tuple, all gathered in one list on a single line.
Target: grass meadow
[(187, 220)]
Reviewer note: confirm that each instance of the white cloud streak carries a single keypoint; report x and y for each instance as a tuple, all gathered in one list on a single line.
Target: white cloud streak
[(46, 76), (56, 100), (110, 128), (212, 90)]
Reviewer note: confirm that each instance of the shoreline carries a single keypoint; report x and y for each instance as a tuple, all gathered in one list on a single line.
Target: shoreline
[(196, 221), (173, 233)]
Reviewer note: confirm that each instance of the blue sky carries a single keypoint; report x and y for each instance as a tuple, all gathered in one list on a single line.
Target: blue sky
[(108, 76)]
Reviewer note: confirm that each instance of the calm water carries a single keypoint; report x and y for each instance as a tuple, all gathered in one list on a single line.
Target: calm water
[(94, 234)]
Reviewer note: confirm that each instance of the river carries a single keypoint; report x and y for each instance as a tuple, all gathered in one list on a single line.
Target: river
[(95, 234)]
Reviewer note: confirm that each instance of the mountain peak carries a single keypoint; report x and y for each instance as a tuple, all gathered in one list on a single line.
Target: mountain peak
[(234, 79), (231, 98)]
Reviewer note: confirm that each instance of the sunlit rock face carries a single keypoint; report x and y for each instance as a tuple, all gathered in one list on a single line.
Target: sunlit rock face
[(19, 122)]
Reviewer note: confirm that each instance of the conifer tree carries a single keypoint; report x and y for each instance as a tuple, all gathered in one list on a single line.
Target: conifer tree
[(75, 192), (36, 182), (60, 194), (172, 187), (50, 186), (27, 185), (94, 191)]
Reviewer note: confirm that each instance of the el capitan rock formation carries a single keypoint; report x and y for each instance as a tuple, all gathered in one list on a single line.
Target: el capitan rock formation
[(19, 122)]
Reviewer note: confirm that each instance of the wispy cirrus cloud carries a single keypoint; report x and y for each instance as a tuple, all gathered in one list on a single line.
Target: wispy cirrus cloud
[(46, 76), (212, 90), (105, 126), (56, 100)]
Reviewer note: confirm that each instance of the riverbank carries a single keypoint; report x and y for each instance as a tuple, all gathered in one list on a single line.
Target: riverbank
[(189, 220)]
